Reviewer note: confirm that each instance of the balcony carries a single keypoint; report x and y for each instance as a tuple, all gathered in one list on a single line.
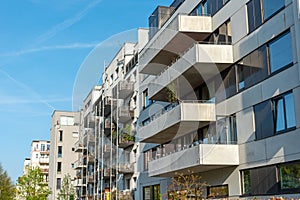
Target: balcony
[(107, 172), (127, 168), (79, 164), (78, 183), (198, 158), (126, 140), (175, 120), (125, 114), (171, 40), (78, 147), (123, 89), (43, 161), (187, 72)]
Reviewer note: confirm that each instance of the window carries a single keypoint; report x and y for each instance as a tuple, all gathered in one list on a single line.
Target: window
[(284, 112), (271, 7), (42, 147), (66, 121), (260, 181), (281, 53), (60, 135), (59, 167), (215, 5), (146, 101), (201, 10), (261, 10), (48, 147), (220, 191), (253, 68), (59, 152), (58, 183), (290, 177), (37, 155), (146, 160), (222, 35), (151, 192)]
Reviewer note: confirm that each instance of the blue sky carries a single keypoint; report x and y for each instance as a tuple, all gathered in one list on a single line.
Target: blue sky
[(43, 44)]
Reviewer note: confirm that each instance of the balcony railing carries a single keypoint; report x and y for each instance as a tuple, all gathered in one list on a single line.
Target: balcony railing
[(123, 89), (44, 160), (81, 163), (78, 147), (126, 168)]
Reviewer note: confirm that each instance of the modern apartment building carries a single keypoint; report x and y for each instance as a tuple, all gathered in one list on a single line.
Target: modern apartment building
[(63, 135), (219, 97), (39, 157)]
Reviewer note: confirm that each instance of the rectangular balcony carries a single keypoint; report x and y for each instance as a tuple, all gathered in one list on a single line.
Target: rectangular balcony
[(123, 89), (199, 158), (78, 183), (125, 114), (171, 40), (126, 168), (201, 60), (126, 140), (79, 164), (78, 147), (44, 161), (176, 120)]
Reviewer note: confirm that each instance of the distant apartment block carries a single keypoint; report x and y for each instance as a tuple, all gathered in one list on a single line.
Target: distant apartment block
[(39, 157), (63, 135)]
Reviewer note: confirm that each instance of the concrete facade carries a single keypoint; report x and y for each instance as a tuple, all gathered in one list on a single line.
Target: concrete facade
[(63, 135)]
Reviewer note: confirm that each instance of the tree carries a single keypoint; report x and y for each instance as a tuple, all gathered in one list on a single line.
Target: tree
[(32, 186), (183, 187), (7, 189), (67, 190)]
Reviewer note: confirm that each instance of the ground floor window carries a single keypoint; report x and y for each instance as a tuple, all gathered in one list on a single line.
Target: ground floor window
[(219, 191), (151, 192), (270, 180)]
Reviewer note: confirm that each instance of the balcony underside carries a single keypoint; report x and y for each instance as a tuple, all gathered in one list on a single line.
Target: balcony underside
[(178, 36), (201, 158), (180, 120), (174, 131), (199, 64)]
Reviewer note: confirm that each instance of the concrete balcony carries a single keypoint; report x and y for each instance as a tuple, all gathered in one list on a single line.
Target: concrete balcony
[(78, 147), (107, 172), (79, 183), (126, 168), (176, 120), (44, 161), (199, 158), (123, 89), (201, 60), (79, 164), (126, 140), (173, 39), (125, 114)]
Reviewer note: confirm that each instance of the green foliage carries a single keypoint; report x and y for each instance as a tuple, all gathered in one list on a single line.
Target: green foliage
[(183, 187), (7, 189), (32, 186), (171, 95), (67, 190)]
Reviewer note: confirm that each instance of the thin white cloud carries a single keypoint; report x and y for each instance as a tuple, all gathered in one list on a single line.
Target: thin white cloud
[(34, 94), (16, 100), (67, 23), (49, 48)]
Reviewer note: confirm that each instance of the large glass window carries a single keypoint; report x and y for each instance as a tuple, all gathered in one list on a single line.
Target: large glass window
[(284, 112), (274, 116), (260, 10), (271, 7), (253, 68), (290, 176), (219, 191), (281, 52), (58, 183), (146, 100)]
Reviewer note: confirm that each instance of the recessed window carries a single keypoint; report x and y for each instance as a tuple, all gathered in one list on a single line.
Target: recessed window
[(58, 183), (284, 112), (146, 101), (220, 191), (274, 116), (290, 176), (281, 52), (59, 167), (260, 10), (60, 135), (59, 151)]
